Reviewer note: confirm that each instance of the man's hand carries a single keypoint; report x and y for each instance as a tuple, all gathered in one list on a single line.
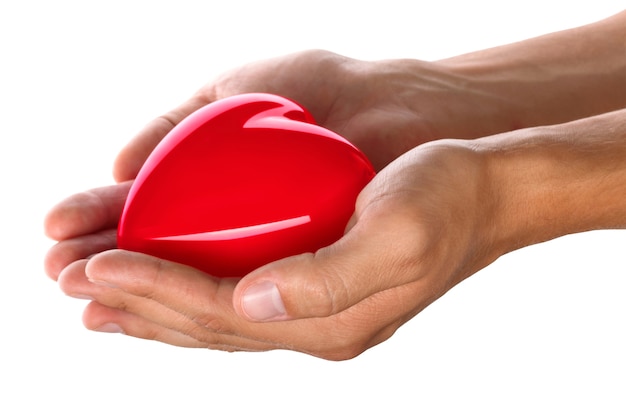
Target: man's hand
[(421, 226)]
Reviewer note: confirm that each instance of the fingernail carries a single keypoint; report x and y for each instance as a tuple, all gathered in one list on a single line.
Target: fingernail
[(109, 328), (262, 302)]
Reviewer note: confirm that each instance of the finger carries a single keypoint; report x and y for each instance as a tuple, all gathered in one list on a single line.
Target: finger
[(134, 154), (101, 318), (64, 253), (146, 276), (380, 252), (87, 212), (189, 300), (172, 296), (132, 282), (116, 310), (72, 281)]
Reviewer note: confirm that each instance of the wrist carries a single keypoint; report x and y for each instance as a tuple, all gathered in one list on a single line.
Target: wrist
[(447, 101), (556, 180), (554, 78)]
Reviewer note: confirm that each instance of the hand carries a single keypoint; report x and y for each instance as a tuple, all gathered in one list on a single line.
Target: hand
[(421, 226), (384, 107)]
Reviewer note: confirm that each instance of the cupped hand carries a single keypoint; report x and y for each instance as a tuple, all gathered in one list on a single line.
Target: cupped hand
[(384, 107), (421, 226)]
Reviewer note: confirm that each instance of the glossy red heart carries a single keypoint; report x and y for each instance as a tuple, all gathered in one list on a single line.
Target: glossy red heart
[(242, 182)]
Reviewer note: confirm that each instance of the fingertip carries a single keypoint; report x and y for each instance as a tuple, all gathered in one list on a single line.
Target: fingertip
[(124, 167), (75, 215), (70, 275), (50, 229), (52, 265), (89, 317), (100, 318), (98, 264), (109, 268), (54, 226)]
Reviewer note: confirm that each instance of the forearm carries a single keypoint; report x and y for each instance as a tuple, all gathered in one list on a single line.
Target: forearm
[(556, 180), (551, 79)]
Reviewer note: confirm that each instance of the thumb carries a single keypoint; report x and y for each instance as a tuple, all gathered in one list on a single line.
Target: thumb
[(370, 258)]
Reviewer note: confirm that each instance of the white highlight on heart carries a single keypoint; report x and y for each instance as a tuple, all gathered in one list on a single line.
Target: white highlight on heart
[(240, 232)]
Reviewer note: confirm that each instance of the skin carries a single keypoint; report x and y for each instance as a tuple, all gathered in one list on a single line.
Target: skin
[(546, 160)]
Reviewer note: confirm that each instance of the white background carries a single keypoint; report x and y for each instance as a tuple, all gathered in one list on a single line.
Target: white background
[(540, 332)]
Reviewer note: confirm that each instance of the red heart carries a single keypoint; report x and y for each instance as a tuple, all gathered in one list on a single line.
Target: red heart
[(242, 182)]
